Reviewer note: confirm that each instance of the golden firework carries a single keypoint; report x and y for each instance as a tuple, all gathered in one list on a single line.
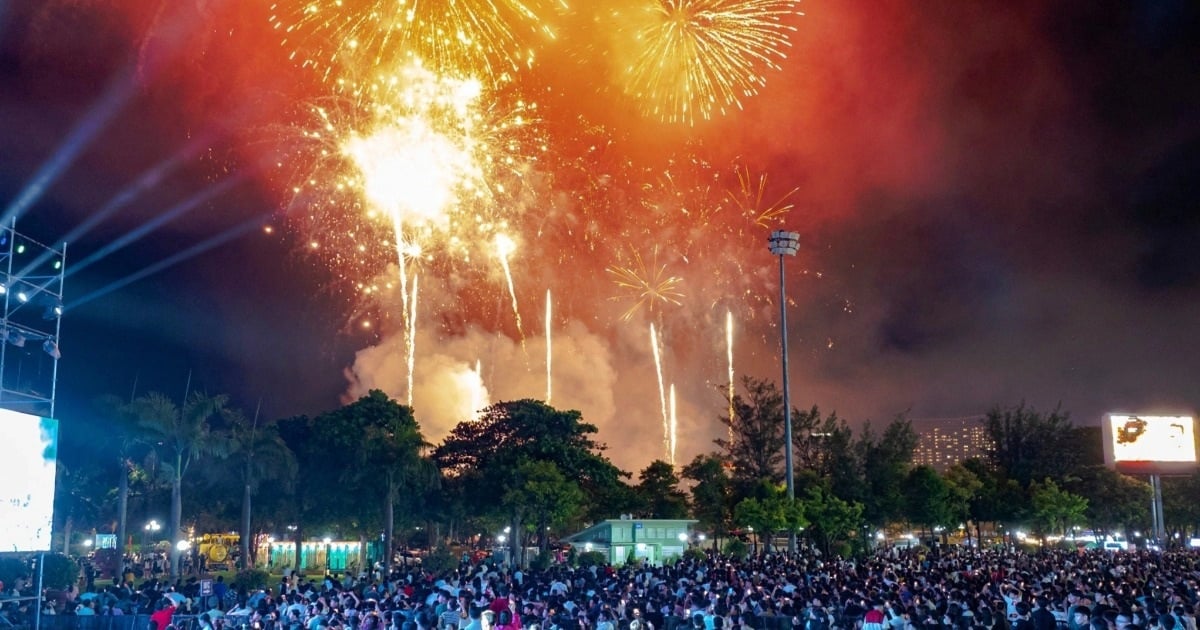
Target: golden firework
[(645, 286), (697, 58), (750, 199), (489, 38), (430, 163)]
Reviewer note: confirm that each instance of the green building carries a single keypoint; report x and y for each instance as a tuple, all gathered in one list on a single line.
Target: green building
[(650, 540)]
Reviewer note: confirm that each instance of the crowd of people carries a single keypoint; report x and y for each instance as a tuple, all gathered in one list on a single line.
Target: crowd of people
[(959, 589)]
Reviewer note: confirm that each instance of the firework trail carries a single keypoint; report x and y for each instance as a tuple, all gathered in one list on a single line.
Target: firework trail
[(674, 426), (662, 392), (409, 307), (729, 361), (549, 354), (477, 402), (504, 246), (410, 339)]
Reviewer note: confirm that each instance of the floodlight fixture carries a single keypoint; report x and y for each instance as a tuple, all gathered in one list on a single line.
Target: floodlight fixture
[(14, 337)]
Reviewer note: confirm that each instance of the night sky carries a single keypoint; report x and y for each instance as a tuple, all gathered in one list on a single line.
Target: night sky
[(997, 202)]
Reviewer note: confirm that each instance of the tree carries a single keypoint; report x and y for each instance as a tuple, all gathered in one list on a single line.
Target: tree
[(384, 445), (539, 493), (79, 497), (771, 515), (998, 500), (1027, 445), (963, 485), (756, 451), (121, 441), (711, 494), (842, 465), (659, 494), (1181, 511), (832, 520), (1116, 502), (886, 462), (315, 498), (261, 455), (183, 435), (489, 451), (1055, 510), (927, 499)]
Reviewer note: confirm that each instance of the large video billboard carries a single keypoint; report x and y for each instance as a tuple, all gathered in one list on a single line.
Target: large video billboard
[(30, 446), (1150, 444)]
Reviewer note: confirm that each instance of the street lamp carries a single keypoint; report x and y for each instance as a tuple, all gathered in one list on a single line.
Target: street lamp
[(149, 530), (783, 243)]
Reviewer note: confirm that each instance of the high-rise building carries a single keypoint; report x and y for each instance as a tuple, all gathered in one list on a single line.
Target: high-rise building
[(944, 442)]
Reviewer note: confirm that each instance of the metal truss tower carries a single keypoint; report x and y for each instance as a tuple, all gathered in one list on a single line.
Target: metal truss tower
[(31, 288)]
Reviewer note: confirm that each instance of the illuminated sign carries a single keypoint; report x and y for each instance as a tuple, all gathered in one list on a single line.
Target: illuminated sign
[(1150, 444)]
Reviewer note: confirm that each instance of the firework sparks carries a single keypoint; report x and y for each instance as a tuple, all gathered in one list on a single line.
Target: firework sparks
[(421, 156), (750, 199), (488, 37), (431, 156), (646, 287), (697, 58)]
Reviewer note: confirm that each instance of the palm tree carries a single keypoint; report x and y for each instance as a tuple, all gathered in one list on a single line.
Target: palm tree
[(261, 455), (121, 439), (182, 435), (398, 456)]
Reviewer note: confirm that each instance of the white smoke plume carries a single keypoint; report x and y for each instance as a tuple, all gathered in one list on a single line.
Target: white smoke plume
[(446, 386)]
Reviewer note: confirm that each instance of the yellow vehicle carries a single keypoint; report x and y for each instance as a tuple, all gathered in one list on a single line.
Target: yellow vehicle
[(217, 549)]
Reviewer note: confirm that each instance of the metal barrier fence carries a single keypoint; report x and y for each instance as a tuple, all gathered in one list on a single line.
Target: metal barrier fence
[(125, 622)]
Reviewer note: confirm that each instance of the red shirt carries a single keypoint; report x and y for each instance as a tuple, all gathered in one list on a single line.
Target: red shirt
[(162, 618)]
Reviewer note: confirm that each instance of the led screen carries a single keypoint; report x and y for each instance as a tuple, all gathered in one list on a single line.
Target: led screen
[(1150, 444), (27, 490)]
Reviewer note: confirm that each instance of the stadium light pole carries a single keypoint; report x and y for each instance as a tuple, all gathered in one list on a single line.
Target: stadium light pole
[(783, 243)]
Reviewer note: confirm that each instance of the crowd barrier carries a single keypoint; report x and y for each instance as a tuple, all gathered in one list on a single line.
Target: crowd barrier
[(126, 622)]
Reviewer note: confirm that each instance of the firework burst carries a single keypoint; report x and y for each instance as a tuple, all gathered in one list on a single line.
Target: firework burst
[(699, 58), (750, 198), (645, 286), (425, 169)]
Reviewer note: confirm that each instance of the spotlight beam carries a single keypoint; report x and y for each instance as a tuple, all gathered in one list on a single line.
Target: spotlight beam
[(111, 102), (123, 86), (191, 252), (175, 212), (148, 181)]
